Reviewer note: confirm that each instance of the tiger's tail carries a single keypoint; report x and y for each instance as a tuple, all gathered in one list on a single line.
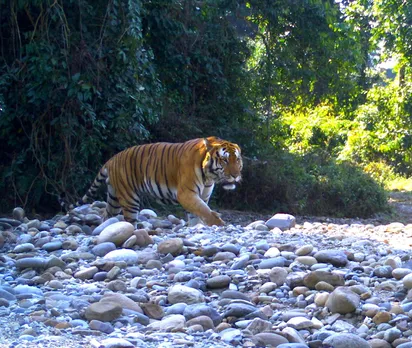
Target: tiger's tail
[(90, 194), (98, 181)]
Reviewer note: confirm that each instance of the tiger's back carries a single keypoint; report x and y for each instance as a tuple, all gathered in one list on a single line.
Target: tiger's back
[(171, 173)]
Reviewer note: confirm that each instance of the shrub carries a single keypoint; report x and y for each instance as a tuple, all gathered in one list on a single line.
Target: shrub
[(307, 185), (76, 86)]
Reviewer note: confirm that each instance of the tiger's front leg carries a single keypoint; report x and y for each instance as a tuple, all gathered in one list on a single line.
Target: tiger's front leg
[(195, 205)]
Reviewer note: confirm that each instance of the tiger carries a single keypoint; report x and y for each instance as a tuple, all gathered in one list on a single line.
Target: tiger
[(171, 173)]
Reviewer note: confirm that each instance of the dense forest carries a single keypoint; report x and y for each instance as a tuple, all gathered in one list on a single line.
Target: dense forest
[(316, 92)]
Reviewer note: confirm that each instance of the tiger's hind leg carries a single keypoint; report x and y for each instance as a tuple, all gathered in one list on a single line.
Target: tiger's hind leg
[(113, 207), (130, 207)]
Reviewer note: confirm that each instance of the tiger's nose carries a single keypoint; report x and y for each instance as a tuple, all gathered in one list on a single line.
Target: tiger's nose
[(235, 178)]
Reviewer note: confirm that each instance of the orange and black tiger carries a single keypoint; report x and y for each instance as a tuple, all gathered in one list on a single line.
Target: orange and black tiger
[(182, 173)]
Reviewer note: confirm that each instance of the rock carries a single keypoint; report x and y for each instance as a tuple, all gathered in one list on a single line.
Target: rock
[(146, 255), (399, 273), (323, 286), (239, 310), (126, 255), (272, 262), (345, 340), (306, 260), (304, 250), (342, 300), (148, 213), (73, 229), (153, 310), (6, 295), (282, 221), (321, 298), (116, 285), (218, 282), (143, 238), (172, 246), (69, 244), (337, 258), (278, 275), (23, 248), (122, 301), (300, 323), (53, 246), (19, 214), (379, 343), (392, 334), (202, 320), (103, 248), (272, 252), (106, 311), (116, 233), (381, 317), (103, 225), (311, 279), (181, 293), (383, 271), (224, 256), (407, 281), (197, 310), (31, 262), (86, 273), (268, 339), (116, 343), (173, 322), (231, 335), (101, 326)]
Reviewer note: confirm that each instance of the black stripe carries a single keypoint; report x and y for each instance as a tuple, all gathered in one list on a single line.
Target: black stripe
[(114, 207), (133, 205), (138, 175), (112, 197), (130, 210), (132, 173), (198, 189), (164, 171), (127, 175), (147, 176), (190, 189), (141, 161)]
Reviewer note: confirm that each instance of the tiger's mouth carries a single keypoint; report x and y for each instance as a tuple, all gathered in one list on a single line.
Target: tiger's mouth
[(229, 183)]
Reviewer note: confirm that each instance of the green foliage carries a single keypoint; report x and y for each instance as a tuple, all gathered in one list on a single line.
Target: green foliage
[(315, 129), (309, 185), (77, 85), (199, 58), (381, 131), (82, 80)]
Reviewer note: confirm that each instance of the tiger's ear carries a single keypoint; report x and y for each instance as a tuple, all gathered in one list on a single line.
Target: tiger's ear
[(208, 145)]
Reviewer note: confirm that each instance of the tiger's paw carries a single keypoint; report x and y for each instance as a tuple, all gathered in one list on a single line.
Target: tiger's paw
[(215, 219)]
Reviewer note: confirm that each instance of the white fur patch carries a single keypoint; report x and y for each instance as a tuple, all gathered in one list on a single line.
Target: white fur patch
[(223, 153)]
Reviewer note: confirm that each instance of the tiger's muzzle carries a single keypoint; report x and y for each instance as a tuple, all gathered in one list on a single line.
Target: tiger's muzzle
[(230, 183)]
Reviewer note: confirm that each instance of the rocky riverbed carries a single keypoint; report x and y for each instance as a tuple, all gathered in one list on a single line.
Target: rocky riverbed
[(76, 281)]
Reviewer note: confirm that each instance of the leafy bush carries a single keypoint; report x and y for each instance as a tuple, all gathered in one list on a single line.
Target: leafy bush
[(308, 185), (381, 129), (76, 86), (315, 129)]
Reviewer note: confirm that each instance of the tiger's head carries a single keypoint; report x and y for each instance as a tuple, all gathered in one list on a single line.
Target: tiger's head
[(223, 162)]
